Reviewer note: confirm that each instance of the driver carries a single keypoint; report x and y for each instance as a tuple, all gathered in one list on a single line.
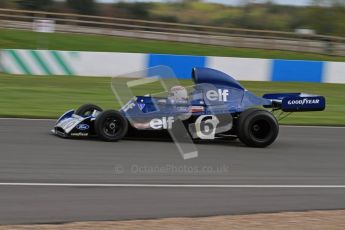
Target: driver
[(178, 94)]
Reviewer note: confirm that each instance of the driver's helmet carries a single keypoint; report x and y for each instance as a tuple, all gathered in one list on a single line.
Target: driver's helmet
[(178, 93)]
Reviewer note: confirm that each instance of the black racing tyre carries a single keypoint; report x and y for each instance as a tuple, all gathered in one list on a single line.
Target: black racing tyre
[(257, 127), (87, 109), (110, 125)]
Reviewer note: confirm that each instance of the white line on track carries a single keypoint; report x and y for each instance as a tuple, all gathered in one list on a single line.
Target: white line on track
[(170, 185), (289, 126)]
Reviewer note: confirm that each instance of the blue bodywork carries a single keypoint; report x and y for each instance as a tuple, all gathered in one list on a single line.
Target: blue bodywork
[(214, 94), (236, 100)]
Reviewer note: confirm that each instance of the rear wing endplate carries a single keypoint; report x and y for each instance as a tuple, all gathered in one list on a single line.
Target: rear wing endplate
[(296, 102)]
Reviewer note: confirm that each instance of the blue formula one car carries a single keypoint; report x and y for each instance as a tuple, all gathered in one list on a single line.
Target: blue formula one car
[(217, 106)]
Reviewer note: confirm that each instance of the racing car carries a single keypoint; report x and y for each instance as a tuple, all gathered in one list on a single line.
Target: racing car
[(217, 106)]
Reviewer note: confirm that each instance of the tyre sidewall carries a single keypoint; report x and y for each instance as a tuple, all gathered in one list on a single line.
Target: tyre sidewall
[(100, 122), (247, 119)]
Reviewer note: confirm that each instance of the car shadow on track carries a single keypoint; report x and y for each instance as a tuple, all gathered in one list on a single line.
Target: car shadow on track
[(217, 141)]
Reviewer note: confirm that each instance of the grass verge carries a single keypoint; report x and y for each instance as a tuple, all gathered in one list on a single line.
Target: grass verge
[(17, 39), (49, 97)]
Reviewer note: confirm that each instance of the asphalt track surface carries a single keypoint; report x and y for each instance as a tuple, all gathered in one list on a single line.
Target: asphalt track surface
[(41, 176)]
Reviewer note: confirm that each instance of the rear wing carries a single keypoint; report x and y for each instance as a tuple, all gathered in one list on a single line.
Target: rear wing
[(296, 102)]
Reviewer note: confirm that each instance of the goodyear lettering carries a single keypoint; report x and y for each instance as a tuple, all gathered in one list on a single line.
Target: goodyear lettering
[(304, 101)]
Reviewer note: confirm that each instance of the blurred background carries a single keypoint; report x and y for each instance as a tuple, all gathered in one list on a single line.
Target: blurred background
[(269, 45), (311, 26), (318, 16)]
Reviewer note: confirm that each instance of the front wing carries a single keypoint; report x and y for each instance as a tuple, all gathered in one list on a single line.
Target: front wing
[(72, 125)]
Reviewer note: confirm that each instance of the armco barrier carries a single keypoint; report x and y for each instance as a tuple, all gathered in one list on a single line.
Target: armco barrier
[(101, 64)]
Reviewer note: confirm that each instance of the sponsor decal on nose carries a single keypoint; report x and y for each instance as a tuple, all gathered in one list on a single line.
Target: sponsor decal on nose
[(83, 127)]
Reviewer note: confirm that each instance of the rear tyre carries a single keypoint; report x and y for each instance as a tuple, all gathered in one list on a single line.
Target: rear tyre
[(87, 109), (257, 128), (111, 125)]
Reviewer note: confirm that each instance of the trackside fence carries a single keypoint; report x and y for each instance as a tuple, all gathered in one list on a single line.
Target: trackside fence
[(234, 37)]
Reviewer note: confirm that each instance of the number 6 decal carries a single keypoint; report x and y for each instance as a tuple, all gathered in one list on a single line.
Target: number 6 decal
[(206, 128)]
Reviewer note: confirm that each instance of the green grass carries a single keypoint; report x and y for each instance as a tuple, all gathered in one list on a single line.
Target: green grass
[(49, 97), (15, 39)]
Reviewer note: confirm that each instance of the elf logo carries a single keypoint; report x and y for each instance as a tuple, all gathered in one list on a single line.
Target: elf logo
[(164, 123), (219, 95)]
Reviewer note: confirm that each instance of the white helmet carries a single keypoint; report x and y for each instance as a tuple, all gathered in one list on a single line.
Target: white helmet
[(178, 93)]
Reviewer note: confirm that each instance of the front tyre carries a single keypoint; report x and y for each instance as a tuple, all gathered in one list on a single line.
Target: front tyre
[(257, 128), (87, 110), (111, 125)]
